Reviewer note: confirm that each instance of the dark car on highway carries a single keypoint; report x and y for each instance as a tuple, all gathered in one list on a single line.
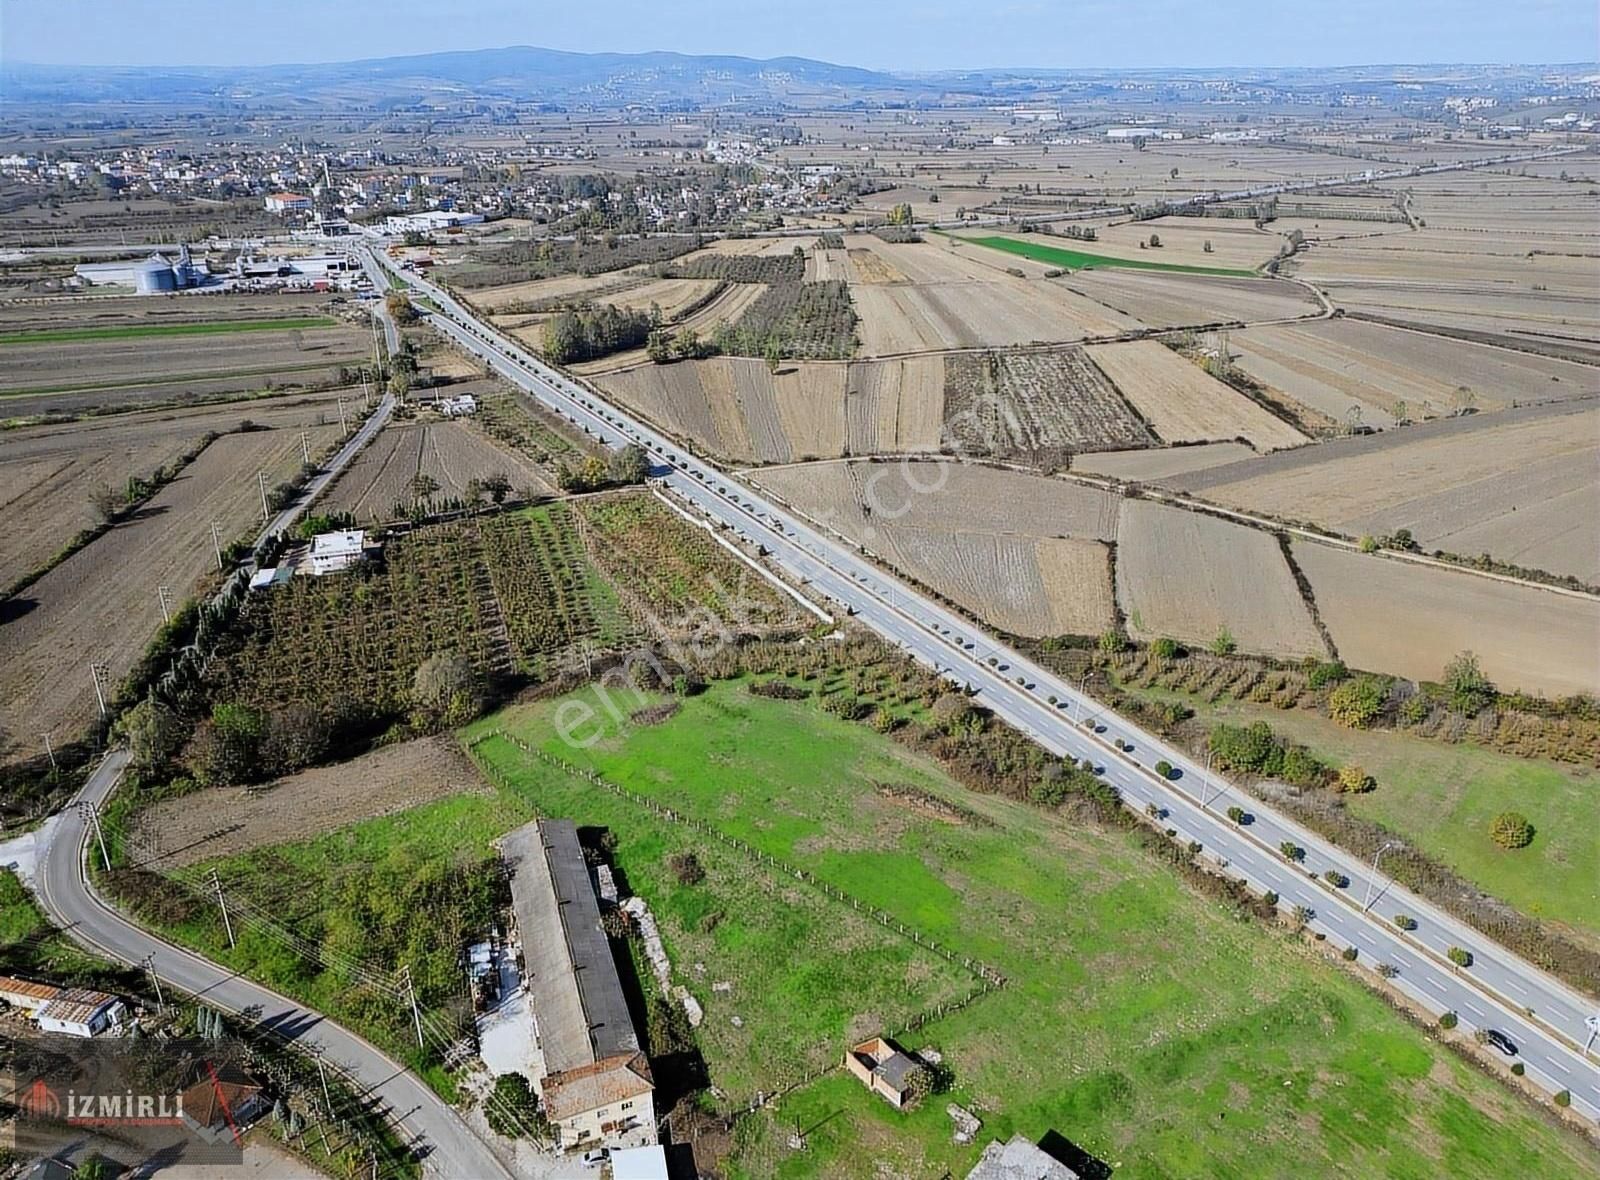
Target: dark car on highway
[(1501, 1042)]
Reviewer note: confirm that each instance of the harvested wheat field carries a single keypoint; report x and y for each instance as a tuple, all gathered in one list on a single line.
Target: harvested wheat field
[(224, 821), (101, 603), (48, 472), (922, 296), (575, 287), (1180, 300), (1531, 321), (1189, 575), (671, 296), (1335, 364), (378, 484), (1183, 403), (1036, 407), (1522, 486), (857, 497), (1236, 243), (894, 406), (1390, 615), (1157, 463), (737, 409)]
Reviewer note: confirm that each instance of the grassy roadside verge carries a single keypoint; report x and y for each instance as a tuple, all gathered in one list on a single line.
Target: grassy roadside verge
[(1071, 258), (135, 331)]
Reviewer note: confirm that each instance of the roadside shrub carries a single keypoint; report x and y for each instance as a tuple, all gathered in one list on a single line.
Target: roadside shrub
[(1470, 690), (1518, 1068), (1270, 897), (1337, 879), (1405, 921), (1112, 642), (1350, 954), (1388, 970), (1224, 644), (1165, 648), (1563, 1099), (1236, 814), (1460, 956), (1164, 768), (1448, 1020), (1291, 850), (1511, 829), (686, 868), (1357, 703), (224, 750), (1302, 914)]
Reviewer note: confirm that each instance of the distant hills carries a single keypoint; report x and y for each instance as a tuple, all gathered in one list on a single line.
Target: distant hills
[(526, 73)]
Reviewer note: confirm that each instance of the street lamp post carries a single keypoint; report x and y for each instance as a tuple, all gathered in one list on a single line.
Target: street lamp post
[(1373, 880), (1205, 783)]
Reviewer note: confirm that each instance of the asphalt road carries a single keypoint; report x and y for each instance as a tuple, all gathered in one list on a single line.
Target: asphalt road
[(1543, 1016), (449, 1147)]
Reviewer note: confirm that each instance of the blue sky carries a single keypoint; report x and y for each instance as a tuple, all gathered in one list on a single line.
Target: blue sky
[(886, 34)]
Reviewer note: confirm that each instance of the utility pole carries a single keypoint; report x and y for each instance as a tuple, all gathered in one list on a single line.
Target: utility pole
[(411, 994), (305, 448), (50, 751), (1205, 784), (227, 922), (261, 482), (149, 964), (1373, 880), (216, 544), (164, 595), (343, 429), (91, 812), (322, 1073), (102, 679)]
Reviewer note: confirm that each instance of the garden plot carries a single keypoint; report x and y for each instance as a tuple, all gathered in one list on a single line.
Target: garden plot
[(1182, 403), (101, 603), (1522, 486), (1191, 576), (1339, 363), (379, 484), (859, 498), (1402, 617), (1159, 463), (1037, 407), (894, 406), (1178, 300)]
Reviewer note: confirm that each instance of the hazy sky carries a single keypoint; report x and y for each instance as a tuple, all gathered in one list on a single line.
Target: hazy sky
[(887, 34)]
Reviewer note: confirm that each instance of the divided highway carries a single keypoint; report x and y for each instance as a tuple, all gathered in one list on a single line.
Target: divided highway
[(1546, 1019)]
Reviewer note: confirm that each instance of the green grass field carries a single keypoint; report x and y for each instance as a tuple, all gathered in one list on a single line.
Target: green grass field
[(1151, 1027), (1071, 258), (1443, 796), (134, 331)]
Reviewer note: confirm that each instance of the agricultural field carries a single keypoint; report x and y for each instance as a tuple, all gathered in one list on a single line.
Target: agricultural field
[(1397, 616), (1443, 796), (47, 473), (101, 603), (1236, 244), (1065, 253), (1182, 403), (1179, 300), (1035, 407), (1024, 553), (950, 298), (113, 352), (1336, 364), (508, 298), (1190, 576), (1518, 485), (1148, 464), (1085, 932), (728, 307), (378, 484), (739, 410), (185, 830), (676, 576)]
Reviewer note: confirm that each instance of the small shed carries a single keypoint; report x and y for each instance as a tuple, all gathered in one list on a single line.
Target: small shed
[(884, 1068)]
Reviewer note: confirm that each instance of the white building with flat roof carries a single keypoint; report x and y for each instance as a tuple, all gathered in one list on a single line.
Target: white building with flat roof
[(332, 552)]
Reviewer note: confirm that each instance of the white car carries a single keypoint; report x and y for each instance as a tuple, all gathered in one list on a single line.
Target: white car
[(593, 1159)]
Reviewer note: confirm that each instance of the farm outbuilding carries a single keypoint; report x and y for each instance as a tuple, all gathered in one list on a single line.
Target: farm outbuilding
[(332, 552), (72, 1011)]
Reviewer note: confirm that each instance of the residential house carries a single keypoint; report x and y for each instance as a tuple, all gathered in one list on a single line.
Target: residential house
[(219, 1107)]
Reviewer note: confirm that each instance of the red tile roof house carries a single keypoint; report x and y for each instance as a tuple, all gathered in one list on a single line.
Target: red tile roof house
[(610, 1101), (884, 1068), (219, 1107)]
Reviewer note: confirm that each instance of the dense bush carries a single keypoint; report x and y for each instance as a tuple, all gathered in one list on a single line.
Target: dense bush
[(1470, 690), (1460, 956), (1405, 921), (512, 1109), (1448, 1020), (1165, 648), (1255, 748), (1358, 703), (1337, 879), (1511, 829), (1331, 672), (1354, 780)]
